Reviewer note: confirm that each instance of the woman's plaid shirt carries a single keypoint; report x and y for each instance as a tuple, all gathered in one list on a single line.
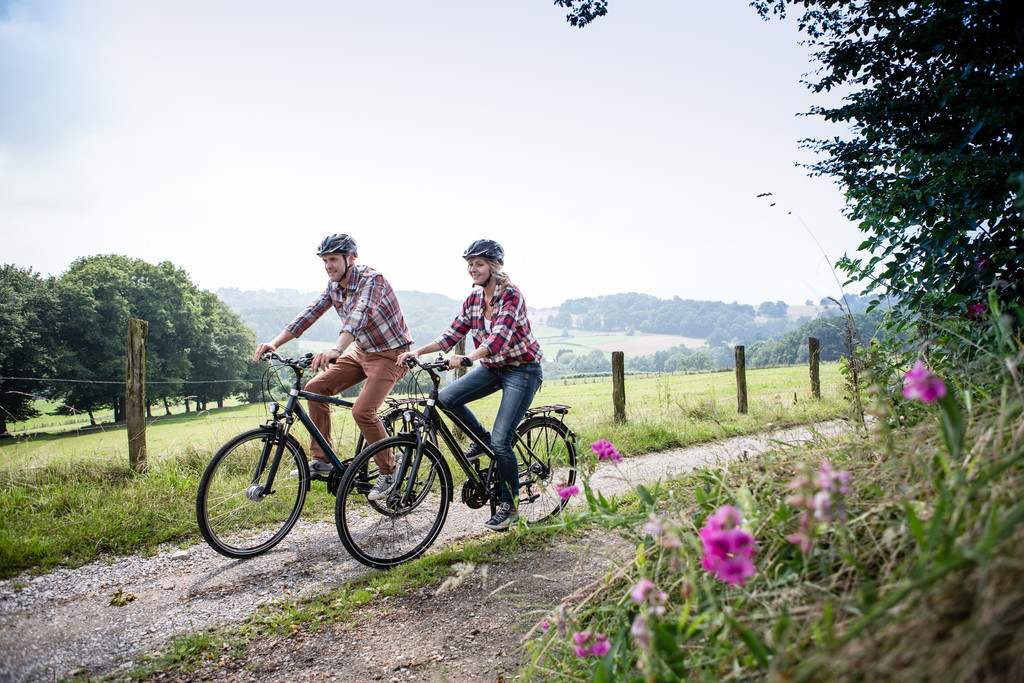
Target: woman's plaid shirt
[(368, 309), (510, 339)]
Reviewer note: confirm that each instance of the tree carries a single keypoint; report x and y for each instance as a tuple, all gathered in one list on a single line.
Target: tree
[(777, 309), (95, 301), (28, 306), (935, 108), (934, 169), (100, 293), (583, 11), (221, 358)]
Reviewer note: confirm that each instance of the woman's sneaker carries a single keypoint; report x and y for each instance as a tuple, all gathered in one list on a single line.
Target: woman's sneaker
[(504, 517), (473, 452), (382, 488)]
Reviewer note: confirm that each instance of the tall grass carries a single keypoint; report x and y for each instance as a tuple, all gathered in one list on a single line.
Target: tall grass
[(68, 499), (913, 572)]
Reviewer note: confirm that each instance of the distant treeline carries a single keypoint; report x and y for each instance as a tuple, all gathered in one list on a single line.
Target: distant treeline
[(714, 321), (834, 333)]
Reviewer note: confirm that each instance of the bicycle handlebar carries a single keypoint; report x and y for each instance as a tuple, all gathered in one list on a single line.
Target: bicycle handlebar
[(438, 364), (302, 362)]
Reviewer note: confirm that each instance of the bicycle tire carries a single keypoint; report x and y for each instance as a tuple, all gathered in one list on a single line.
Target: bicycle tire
[(546, 451), (237, 525), (384, 535)]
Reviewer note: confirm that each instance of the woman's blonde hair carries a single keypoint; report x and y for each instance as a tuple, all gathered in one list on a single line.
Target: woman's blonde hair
[(501, 279)]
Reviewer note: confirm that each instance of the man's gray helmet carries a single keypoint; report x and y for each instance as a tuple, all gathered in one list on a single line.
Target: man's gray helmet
[(488, 249), (338, 243)]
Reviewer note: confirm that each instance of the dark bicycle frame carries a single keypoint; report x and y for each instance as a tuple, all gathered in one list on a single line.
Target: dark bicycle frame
[(435, 425), (284, 419)]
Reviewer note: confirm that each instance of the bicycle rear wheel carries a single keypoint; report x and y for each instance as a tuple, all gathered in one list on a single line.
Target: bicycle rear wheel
[(386, 532), (546, 450), (236, 517)]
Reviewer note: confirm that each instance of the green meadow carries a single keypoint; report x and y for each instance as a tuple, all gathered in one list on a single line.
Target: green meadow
[(68, 498)]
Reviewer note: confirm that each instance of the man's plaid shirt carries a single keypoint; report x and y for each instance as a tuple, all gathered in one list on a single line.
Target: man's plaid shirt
[(368, 309), (510, 338)]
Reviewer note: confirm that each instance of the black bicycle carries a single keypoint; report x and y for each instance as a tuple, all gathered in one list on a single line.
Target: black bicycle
[(249, 498), (400, 527)]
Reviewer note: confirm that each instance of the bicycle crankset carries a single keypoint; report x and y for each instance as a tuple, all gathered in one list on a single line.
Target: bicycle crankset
[(334, 481), (472, 495)]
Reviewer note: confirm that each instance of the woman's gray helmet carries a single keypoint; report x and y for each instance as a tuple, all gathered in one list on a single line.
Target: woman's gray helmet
[(488, 249), (338, 243)]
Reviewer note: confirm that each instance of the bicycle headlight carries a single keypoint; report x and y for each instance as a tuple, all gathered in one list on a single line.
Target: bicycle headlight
[(273, 407)]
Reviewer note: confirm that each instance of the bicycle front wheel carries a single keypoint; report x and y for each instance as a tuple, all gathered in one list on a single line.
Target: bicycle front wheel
[(237, 516), (546, 451), (388, 532)]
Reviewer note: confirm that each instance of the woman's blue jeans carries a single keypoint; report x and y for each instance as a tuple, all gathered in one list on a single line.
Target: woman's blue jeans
[(517, 384)]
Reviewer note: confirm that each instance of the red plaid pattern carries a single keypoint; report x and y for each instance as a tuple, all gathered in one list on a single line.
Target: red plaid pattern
[(368, 309), (510, 339)]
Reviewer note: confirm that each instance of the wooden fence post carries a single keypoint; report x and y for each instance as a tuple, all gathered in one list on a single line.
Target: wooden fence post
[(135, 394), (741, 380), (619, 386), (460, 350), (814, 355)]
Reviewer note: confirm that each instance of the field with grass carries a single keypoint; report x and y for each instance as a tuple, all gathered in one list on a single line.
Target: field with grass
[(69, 498)]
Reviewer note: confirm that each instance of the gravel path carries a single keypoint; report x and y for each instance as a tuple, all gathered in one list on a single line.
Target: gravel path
[(63, 625)]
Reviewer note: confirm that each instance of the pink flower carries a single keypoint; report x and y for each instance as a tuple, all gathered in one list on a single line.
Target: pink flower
[(639, 591), (820, 498), (599, 648), (728, 550), (921, 384), (566, 492), (976, 311), (640, 631), (654, 526), (802, 540), (606, 451), (544, 626)]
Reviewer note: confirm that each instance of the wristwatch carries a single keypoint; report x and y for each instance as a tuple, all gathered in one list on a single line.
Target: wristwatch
[(338, 348)]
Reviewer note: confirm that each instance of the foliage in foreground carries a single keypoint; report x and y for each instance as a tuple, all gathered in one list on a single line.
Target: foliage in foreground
[(891, 555)]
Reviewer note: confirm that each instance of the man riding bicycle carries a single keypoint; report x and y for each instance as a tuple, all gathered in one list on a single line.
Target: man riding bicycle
[(372, 318)]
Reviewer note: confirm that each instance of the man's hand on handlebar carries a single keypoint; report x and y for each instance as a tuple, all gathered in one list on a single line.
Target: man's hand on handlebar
[(322, 360)]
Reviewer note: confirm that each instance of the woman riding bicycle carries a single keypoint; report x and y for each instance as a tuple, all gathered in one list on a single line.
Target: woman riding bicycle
[(509, 355)]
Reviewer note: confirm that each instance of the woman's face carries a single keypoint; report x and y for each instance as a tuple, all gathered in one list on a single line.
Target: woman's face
[(479, 270)]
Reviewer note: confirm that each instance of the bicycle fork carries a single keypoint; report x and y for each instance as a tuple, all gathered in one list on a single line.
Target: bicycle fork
[(256, 491)]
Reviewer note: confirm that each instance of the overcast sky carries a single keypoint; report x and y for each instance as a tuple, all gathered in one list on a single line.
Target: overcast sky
[(229, 137)]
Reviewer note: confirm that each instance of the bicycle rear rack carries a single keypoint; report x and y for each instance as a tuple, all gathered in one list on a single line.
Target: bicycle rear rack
[(559, 408)]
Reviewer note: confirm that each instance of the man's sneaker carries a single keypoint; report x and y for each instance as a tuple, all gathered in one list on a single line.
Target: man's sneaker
[(473, 452), (317, 468), (385, 483), (503, 518)]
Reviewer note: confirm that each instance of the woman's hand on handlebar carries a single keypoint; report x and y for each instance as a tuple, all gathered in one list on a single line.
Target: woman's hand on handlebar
[(459, 361), (403, 358)]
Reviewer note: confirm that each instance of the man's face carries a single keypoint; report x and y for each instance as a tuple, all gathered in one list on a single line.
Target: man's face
[(334, 264)]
